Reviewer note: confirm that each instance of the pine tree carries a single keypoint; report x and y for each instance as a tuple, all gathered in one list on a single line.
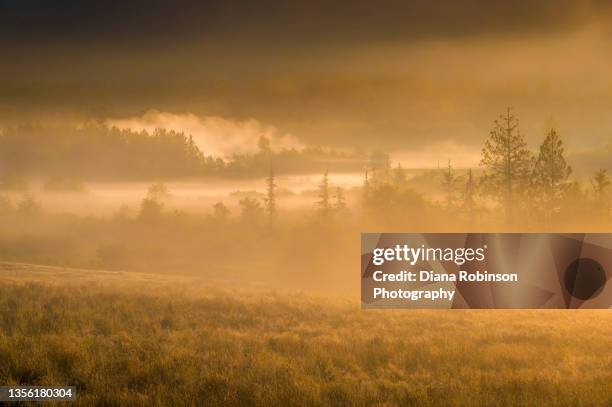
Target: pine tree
[(270, 199), (550, 173), (449, 183), (366, 189), (340, 204), (468, 194), (387, 168), (399, 175), (601, 186), (507, 162), (323, 203)]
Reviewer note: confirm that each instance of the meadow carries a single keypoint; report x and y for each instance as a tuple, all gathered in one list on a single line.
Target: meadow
[(147, 339)]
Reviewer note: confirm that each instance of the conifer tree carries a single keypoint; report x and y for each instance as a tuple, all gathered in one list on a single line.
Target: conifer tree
[(324, 203), (449, 183), (469, 194), (340, 204), (550, 173), (399, 175), (366, 189), (506, 162), (601, 186), (270, 199)]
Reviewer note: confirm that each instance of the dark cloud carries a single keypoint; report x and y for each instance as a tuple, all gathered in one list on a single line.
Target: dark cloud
[(313, 21), (394, 74)]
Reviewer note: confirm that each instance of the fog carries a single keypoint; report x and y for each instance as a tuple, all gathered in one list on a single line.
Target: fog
[(197, 196)]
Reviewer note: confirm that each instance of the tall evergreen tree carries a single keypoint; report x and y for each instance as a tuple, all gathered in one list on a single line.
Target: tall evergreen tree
[(601, 186), (366, 189), (324, 202), (387, 168), (399, 175), (340, 203), (506, 162), (449, 184), (550, 173), (270, 199), (469, 194)]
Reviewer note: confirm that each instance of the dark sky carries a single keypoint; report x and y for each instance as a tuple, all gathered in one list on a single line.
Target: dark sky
[(401, 75), (303, 24)]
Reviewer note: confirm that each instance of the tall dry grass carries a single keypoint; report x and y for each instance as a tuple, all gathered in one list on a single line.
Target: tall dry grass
[(135, 342)]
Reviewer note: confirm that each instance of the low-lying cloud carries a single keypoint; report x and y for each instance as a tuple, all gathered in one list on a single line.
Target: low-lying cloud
[(214, 135)]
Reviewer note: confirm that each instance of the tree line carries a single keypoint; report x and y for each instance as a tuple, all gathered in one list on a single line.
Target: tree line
[(514, 184), (97, 152)]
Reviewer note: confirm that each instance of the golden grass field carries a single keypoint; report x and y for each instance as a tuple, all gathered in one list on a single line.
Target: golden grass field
[(143, 339)]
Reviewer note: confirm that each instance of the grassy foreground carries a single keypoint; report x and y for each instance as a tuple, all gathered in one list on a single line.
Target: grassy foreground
[(142, 341)]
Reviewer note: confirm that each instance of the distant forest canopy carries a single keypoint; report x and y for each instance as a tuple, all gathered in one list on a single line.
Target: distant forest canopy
[(97, 152)]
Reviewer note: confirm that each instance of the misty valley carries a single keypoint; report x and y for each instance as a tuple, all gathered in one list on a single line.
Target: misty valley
[(113, 199)]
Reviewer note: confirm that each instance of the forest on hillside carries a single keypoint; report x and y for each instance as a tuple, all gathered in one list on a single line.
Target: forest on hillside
[(97, 152)]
